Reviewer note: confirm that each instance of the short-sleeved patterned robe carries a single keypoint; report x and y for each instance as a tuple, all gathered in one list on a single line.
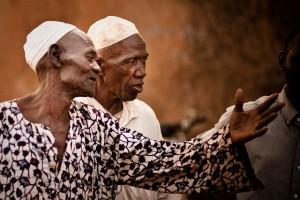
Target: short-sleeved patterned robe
[(99, 155)]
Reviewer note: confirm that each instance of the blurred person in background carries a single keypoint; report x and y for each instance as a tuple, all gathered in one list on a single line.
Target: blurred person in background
[(276, 155)]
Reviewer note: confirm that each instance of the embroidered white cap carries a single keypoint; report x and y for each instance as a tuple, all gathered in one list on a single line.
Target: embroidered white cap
[(110, 30), (41, 38)]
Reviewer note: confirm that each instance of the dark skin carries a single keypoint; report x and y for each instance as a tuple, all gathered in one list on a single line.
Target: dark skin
[(123, 67), (253, 121), (291, 69), (68, 70)]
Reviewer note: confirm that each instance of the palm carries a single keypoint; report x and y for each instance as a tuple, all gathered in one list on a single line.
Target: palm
[(246, 125)]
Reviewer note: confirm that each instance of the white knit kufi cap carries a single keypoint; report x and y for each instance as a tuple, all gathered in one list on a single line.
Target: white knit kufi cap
[(110, 30), (41, 38)]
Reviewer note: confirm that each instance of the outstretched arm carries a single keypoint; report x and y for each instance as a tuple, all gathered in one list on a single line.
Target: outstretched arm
[(208, 162), (195, 165)]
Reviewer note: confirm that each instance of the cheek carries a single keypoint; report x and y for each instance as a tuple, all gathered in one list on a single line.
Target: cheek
[(70, 76), (117, 84), (117, 76)]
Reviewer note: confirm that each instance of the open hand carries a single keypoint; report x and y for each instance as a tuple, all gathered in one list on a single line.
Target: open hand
[(247, 125)]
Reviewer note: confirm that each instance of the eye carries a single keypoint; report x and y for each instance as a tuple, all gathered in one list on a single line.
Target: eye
[(91, 57), (132, 61), (144, 60)]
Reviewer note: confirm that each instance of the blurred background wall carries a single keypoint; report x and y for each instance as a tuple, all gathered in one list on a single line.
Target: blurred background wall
[(200, 51)]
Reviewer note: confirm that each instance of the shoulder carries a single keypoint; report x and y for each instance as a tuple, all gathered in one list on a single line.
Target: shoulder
[(93, 118), (84, 105), (143, 108), (8, 106), (8, 110), (84, 100), (91, 101), (89, 111), (145, 121)]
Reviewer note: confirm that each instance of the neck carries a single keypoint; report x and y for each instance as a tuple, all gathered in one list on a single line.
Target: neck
[(109, 101), (48, 105), (293, 97)]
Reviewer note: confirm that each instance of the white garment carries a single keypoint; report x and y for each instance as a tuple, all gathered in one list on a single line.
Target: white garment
[(135, 115), (224, 119), (138, 116), (99, 154)]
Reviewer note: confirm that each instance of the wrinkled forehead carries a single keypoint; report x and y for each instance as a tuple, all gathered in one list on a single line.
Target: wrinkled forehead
[(76, 39)]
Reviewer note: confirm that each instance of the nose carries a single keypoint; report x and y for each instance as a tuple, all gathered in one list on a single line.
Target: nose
[(96, 68), (140, 72)]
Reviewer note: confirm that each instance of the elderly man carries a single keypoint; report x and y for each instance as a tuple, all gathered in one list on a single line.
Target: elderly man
[(55, 148), (122, 54)]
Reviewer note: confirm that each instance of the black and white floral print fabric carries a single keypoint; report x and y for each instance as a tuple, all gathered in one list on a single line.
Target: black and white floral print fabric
[(99, 155)]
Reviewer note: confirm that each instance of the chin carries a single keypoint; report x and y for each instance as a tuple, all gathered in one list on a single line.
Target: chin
[(129, 97), (86, 93), (90, 94)]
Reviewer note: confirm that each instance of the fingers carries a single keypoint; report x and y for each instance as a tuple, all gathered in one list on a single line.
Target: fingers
[(267, 103), (258, 133), (275, 108), (239, 100), (265, 121)]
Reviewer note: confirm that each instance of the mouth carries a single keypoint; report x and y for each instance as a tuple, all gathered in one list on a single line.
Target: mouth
[(93, 79), (138, 88)]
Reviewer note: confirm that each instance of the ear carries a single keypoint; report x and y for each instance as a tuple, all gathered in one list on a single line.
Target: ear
[(281, 59), (55, 55)]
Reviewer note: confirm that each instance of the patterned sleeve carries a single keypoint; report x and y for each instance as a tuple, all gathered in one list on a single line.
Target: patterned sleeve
[(2, 117), (212, 164)]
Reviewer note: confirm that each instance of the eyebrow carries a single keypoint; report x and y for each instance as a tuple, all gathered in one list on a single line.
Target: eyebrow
[(146, 55), (92, 52)]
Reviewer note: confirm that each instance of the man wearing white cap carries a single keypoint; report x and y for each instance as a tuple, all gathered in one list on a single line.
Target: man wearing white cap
[(52, 147), (120, 82)]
